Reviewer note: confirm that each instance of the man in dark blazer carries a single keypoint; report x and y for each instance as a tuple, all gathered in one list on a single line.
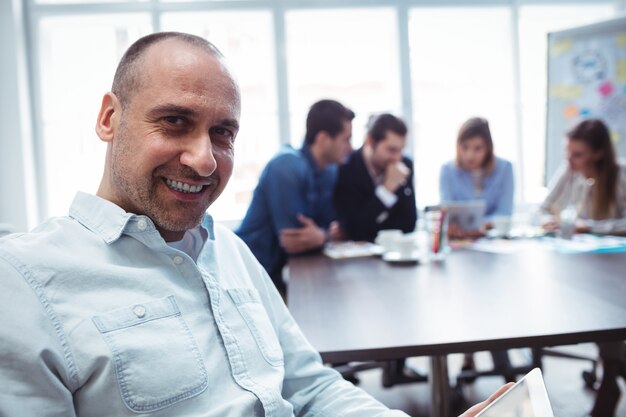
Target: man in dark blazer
[(374, 189), (374, 192)]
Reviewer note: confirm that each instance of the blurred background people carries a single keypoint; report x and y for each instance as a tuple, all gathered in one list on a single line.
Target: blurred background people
[(477, 174), (590, 189), (292, 206), (374, 188)]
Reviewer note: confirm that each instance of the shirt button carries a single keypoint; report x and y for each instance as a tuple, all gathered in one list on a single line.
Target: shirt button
[(140, 311), (178, 260), (142, 224)]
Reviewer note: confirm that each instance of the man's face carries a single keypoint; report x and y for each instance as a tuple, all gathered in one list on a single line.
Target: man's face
[(387, 151), (339, 147), (172, 147)]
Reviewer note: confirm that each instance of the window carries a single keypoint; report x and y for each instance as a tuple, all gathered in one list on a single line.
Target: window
[(482, 58), (460, 67), (77, 60), (353, 59), (534, 24)]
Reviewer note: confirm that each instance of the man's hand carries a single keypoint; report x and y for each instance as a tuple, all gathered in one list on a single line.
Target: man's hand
[(335, 232), (308, 237), (480, 406), (395, 175)]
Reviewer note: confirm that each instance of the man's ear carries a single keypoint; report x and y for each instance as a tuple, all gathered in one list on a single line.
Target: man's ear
[(322, 137), (108, 117)]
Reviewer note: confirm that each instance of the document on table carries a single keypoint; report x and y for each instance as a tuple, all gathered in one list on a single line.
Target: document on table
[(580, 243), (351, 249), (587, 243)]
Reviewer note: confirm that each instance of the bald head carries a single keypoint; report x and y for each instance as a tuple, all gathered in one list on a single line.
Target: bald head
[(129, 77)]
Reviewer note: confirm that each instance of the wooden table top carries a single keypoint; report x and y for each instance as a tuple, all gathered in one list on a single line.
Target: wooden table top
[(368, 309)]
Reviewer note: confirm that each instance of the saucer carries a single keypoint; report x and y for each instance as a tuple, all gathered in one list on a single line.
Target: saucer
[(399, 257)]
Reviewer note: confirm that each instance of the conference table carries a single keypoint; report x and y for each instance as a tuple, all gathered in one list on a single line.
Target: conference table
[(366, 309)]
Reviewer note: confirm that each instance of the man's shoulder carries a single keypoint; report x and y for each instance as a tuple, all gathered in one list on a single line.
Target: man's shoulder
[(55, 229), (52, 243), (407, 160), (355, 159), (287, 160)]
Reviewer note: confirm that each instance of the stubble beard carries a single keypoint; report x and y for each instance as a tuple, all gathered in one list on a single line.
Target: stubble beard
[(144, 195)]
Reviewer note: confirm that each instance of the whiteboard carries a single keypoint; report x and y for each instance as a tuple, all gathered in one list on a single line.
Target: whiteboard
[(586, 78)]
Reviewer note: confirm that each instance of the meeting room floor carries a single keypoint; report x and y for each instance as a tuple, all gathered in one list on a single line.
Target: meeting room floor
[(564, 383)]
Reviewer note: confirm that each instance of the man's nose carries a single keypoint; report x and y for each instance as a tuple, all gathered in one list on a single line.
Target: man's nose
[(198, 155)]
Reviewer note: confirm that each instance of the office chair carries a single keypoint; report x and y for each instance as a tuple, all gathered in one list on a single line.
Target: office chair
[(394, 372), (503, 367)]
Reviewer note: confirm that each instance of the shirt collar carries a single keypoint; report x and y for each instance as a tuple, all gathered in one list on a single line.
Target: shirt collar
[(306, 152), (110, 221)]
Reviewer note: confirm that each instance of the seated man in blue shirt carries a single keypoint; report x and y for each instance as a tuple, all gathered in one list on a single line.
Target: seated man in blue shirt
[(137, 303), (375, 187), (292, 210)]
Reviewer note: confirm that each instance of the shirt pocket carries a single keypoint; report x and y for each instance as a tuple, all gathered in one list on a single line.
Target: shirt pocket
[(157, 361), (248, 303)]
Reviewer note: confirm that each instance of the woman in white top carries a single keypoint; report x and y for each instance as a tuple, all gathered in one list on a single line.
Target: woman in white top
[(592, 186)]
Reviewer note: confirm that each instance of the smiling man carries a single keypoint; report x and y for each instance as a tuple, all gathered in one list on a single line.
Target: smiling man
[(137, 303)]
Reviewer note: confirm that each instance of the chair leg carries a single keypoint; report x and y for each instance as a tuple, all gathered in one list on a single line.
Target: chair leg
[(609, 392), (502, 363)]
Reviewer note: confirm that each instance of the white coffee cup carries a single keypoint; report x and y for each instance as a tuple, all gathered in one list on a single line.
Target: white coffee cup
[(405, 245), (501, 224), (386, 238)]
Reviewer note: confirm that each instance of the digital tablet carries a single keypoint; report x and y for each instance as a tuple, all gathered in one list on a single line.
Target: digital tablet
[(468, 215), (527, 398)]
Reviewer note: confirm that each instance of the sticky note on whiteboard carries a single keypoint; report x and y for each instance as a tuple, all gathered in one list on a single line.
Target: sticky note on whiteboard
[(561, 47), (570, 111), (566, 92), (606, 88), (620, 71)]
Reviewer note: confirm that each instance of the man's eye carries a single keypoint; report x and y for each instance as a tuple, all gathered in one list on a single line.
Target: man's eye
[(174, 120), (222, 131)]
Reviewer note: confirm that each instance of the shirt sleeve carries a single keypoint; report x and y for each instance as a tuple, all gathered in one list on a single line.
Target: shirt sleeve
[(385, 196), (286, 193), (445, 184), (504, 205), (34, 376), (313, 389), (558, 188)]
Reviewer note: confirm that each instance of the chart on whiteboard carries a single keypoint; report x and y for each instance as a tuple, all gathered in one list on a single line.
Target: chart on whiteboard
[(586, 78)]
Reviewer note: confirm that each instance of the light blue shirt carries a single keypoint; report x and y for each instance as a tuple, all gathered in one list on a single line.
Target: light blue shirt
[(457, 184), (100, 317)]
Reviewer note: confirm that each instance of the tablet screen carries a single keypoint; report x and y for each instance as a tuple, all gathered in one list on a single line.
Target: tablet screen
[(468, 215), (527, 398)]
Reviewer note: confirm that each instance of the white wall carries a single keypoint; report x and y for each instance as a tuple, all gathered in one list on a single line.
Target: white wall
[(17, 194)]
